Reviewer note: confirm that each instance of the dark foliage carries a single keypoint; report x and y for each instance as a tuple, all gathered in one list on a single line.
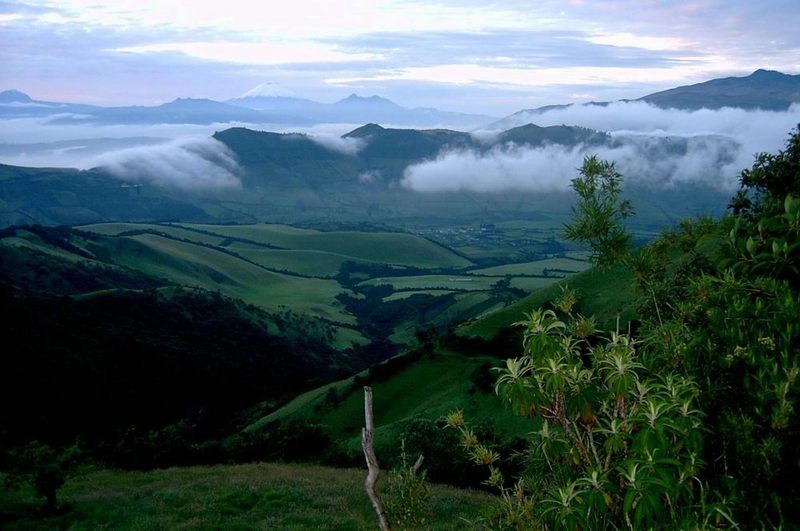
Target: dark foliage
[(719, 302), (281, 441), (445, 459), (94, 366), (770, 180)]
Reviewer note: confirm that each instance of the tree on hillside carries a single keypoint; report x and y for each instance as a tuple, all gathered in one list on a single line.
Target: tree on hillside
[(691, 423), (44, 468)]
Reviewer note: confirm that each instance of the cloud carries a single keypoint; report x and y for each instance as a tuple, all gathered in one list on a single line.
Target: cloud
[(508, 47), (253, 53), (185, 163), (755, 131), (334, 142), (509, 168), (651, 146), (409, 51), (370, 176), (551, 168), (68, 153)]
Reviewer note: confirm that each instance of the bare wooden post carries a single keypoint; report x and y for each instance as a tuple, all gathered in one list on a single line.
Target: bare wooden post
[(418, 464), (372, 462)]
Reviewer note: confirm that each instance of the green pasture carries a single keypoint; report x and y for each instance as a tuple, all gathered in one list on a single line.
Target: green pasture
[(383, 247), (195, 265), (430, 282), (556, 266)]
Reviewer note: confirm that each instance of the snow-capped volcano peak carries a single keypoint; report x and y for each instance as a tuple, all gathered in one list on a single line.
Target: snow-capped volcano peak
[(268, 89)]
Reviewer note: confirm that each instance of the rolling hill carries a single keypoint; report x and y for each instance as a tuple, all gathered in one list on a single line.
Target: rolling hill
[(453, 373), (357, 181), (338, 300)]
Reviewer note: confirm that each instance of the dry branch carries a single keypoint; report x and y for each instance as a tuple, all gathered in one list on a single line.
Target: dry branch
[(373, 470)]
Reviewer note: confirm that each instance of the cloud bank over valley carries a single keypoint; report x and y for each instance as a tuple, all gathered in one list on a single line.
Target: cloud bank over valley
[(189, 163), (650, 145)]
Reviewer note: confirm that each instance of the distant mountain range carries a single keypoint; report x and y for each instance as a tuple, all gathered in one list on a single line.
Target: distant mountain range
[(252, 109), (270, 104), (358, 109)]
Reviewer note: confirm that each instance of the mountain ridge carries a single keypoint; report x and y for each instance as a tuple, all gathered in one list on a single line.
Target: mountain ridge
[(763, 89), (254, 109)]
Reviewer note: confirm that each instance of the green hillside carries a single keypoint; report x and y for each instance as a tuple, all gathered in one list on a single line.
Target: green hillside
[(547, 267), (429, 387), (65, 196), (534, 135), (445, 380), (603, 293), (291, 178), (384, 277), (195, 265)]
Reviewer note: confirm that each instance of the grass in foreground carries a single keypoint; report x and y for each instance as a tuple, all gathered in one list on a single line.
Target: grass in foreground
[(251, 496)]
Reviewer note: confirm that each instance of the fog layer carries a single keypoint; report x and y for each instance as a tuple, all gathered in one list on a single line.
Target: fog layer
[(652, 145), (191, 163)]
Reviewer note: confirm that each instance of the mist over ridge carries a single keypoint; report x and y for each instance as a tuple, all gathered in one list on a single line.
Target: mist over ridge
[(652, 145), (189, 163)]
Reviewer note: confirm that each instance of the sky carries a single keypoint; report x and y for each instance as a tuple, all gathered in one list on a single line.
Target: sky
[(475, 56)]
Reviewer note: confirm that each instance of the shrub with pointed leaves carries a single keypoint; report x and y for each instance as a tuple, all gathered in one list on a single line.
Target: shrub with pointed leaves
[(621, 444)]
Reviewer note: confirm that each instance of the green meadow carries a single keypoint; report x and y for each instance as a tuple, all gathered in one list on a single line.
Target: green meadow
[(383, 247), (554, 266)]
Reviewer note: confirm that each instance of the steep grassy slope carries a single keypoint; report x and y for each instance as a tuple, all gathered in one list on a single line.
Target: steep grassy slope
[(602, 293), (255, 496), (190, 264), (430, 387)]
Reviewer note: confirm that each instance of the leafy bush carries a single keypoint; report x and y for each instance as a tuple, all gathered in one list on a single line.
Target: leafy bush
[(407, 494), (730, 306), (287, 441), (445, 462), (43, 467), (621, 445)]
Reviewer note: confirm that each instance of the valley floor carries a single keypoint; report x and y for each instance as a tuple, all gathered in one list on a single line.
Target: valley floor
[(250, 496)]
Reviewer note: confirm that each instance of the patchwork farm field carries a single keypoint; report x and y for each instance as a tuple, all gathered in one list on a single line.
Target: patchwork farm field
[(307, 271), (382, 247), (558, 267)]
